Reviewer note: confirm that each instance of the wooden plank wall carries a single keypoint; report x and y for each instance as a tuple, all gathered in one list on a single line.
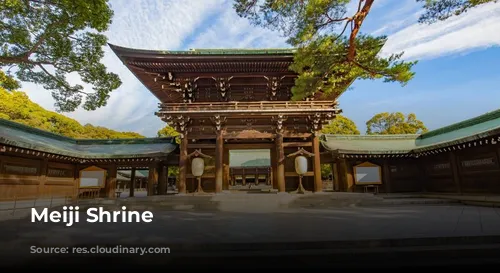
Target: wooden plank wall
[(28, 178)]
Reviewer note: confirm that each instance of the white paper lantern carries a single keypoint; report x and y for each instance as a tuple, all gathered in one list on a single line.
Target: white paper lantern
[(301, 165), (197, 166)]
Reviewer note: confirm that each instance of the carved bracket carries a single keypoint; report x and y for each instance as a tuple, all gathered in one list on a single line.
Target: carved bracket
[(302, 152), (179, 123), (219, 122), (222, 85), (278, 122), (248, 122), (315, 123), (273, 84)]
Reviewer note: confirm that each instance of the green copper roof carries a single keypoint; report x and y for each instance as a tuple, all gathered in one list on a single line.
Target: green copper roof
[(207, 51), (369, 144), (461, 132), (22, 136)]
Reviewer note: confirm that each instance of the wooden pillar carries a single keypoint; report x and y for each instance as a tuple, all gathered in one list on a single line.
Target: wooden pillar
[(456, 172), (42, 178), (336, 182), (274, 168), (386, 176), (183, 161), (226, 175), (346, 175), (152, 178), (280, 160), (132, 182), (111, 181), (318, 183), (76, 179), (219, 157), (162, 179)]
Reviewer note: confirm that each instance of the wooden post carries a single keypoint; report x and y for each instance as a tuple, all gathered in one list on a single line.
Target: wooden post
[(280, 170), (386, 174), (456, 172), (274, 168), (42, 178), (183, 165), (318, 183), (219, 157), (226, 175), (111, 181), (152, 178), (162, 179), (335, 171), (132, 182)]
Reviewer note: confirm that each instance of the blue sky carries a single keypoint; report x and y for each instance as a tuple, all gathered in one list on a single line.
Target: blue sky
[(457, 76)]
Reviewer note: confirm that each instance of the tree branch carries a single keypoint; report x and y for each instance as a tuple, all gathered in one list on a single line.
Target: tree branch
[(358, 19), (60, 82), (20, 59), (372, 72)]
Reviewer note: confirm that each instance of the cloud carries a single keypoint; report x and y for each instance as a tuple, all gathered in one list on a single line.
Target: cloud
[(474, 30), (232, 31)]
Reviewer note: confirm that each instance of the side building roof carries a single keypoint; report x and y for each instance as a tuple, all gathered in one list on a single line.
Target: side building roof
[(22, 136), (483, 126)]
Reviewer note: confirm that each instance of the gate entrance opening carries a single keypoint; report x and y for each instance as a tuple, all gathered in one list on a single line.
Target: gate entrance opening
[(250, 169)]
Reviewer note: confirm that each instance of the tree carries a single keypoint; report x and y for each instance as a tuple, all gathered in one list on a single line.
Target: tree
[(45, 40), (17, 107), (327, 59), (341, 126), (168, 131), (394, 123), (439, 10)]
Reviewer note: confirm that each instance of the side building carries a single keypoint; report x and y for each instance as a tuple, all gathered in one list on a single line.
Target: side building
[(39, 164), (459, 158)]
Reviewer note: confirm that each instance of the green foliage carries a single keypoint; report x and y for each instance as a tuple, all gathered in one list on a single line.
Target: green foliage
[(341, 126), (394, 123), (168, 131), (47, 40), (16, 106), (440, 10), (8, 82), (327, 60), (326, 170)]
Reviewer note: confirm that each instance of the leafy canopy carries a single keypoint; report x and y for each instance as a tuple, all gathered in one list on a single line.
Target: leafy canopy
[(394, 123), (341, 126), (331, 53), (17, 107), (439, 10), (43, 41)]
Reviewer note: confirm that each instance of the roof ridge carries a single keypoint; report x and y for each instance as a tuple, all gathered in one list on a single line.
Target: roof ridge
[(36, 131), (208, 51), (394, 136), (463, 124), (80, 141)]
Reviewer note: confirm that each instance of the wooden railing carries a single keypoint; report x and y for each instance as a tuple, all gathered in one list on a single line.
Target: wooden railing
[(253, 106)]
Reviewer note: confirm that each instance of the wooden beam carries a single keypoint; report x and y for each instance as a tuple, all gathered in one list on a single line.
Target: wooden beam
[(297, 144)]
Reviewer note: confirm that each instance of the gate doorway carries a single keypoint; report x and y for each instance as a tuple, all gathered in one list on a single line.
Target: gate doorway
[(250, 170)]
